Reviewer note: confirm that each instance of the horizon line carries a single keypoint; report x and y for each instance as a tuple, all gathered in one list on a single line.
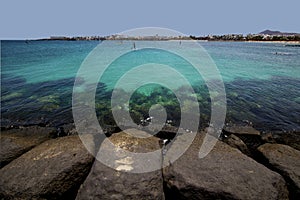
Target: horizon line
[(117, 34)]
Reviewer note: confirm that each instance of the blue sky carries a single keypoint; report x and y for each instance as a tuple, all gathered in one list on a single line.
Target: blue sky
[(38, 19)]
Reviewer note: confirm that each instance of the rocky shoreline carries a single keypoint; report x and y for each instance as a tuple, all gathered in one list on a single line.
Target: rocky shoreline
[(52, 163)]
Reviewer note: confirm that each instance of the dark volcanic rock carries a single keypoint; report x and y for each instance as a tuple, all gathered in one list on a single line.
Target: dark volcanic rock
[(250, 136), (120, 182), (289, 138), (286, 161), (225, 173), (236, 142), (53, 170), (69, 129), (15, 142)]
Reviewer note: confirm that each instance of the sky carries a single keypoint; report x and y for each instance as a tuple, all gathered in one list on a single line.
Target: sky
[(31, 19)]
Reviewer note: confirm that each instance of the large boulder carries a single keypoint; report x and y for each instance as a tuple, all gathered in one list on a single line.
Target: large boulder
[(285, 160), (118, 178), (225, 173), (15, 142), (53, 170)]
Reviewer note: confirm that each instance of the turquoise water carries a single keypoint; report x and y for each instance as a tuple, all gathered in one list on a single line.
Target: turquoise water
[(262, 81)]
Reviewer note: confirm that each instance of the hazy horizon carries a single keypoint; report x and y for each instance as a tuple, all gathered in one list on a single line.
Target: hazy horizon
[(73, 36)]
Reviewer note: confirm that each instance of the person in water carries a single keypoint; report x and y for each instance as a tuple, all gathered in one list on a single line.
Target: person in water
[(134, 46)]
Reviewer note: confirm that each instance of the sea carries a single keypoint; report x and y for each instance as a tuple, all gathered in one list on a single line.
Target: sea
[(261, 81)]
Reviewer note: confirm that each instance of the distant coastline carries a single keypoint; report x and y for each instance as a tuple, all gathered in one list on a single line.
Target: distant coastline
[(265, 36)]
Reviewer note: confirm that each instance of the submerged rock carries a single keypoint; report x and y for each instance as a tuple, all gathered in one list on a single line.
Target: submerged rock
[(53, 170), (11, 96), (286, 161), (225, 173), (15, 142), (120, 181)]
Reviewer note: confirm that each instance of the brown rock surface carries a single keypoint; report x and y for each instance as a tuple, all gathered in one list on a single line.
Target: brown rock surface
[(285, 160), (52, 170), (121, 181), (225, 173), (15, 142)]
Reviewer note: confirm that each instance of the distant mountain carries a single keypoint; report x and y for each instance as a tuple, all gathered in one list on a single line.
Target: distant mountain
[(269, 32)]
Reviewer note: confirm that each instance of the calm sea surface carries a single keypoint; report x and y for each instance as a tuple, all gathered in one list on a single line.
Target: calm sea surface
[(262, 80)]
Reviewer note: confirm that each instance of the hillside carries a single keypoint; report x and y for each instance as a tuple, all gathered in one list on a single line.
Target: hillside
[(270, 32)]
